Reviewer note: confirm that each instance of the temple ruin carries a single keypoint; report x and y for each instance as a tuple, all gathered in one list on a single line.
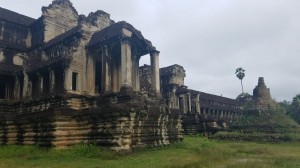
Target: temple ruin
[(203, 112), (67, 78), (262, 97)]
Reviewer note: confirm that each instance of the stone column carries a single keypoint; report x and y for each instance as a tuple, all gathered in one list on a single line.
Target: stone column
[(106, 81), (205, 111), (198, 103), (52, 81), (89, 83), (68, 80), (40, 84), (229, 115), (16, 88), (25, 85), (221, 114), (155, 83), (135, 73), (189, 102), (226, 114), (126, 64)]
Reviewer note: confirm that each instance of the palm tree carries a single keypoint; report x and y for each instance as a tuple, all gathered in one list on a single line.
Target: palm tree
[(240, 73)]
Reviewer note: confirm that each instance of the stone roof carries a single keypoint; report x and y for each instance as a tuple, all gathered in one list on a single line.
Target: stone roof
[(172, 70), (208, 96), (115, 31), (16, 18)]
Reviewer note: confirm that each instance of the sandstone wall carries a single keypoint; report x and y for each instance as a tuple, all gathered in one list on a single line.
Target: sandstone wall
[(118, 122), (198, 123)]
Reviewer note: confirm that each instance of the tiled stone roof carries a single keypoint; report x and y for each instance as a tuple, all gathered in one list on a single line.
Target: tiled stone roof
[(116, 30), (14, 17)]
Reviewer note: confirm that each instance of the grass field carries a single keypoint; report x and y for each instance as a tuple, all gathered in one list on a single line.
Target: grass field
[(193, 152)]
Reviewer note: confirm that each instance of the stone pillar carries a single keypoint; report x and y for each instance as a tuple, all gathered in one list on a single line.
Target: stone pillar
[(135, 73), (205, 111), (229, 115), (115, 76), (226, 114), (90, 75), (189, 103), (52, 81), (25, 85), (198, 103), (155, 83), (106, 81), (68, 83), (221, 114), (16, 88), (40, 81), (126, 64)]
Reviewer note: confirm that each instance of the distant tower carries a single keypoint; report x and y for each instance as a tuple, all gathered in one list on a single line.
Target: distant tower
[(262, 97), (173, 74)]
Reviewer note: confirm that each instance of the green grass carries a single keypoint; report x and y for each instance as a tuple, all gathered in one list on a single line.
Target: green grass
[(195, 151)]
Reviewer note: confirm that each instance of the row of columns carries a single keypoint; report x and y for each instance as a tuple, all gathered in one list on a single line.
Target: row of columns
[(128, 70), (221, 114), (128, 75), (10, 87), (186, 102), (40, 84), (116, 70)]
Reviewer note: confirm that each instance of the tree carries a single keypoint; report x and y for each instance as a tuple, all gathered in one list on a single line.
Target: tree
[(240, 73), (293, 108), (296, 102)]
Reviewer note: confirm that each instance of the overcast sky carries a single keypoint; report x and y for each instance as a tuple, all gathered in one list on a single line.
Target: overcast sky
[(211, 38)]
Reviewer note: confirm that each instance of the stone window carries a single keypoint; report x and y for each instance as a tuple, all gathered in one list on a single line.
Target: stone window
[(74, 81)]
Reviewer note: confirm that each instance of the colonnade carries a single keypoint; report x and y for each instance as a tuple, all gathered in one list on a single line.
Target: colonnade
[(221, 113), (121, 68)]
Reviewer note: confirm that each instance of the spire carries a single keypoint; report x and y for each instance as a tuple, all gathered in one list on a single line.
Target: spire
[(59, 17), (59, 3)]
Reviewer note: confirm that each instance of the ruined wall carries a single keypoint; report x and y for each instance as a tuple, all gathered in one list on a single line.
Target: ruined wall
[(119, 122)]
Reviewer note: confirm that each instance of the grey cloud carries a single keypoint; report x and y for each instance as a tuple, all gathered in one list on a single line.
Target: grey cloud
[(212, 38)]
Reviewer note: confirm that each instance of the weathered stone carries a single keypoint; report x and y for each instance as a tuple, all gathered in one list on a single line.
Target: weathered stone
[(203, 112), (120, 126), (262, 97), (67, 78)]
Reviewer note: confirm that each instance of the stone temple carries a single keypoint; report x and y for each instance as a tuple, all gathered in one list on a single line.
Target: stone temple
[(67, 78)]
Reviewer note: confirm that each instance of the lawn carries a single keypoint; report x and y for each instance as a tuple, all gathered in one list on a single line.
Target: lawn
[(195, 151)]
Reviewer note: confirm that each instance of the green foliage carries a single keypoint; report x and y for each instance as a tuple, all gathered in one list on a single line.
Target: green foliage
[(240, 73), (293, 108), (263, 126), (244, 97), (270, 121), (247, 101)]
